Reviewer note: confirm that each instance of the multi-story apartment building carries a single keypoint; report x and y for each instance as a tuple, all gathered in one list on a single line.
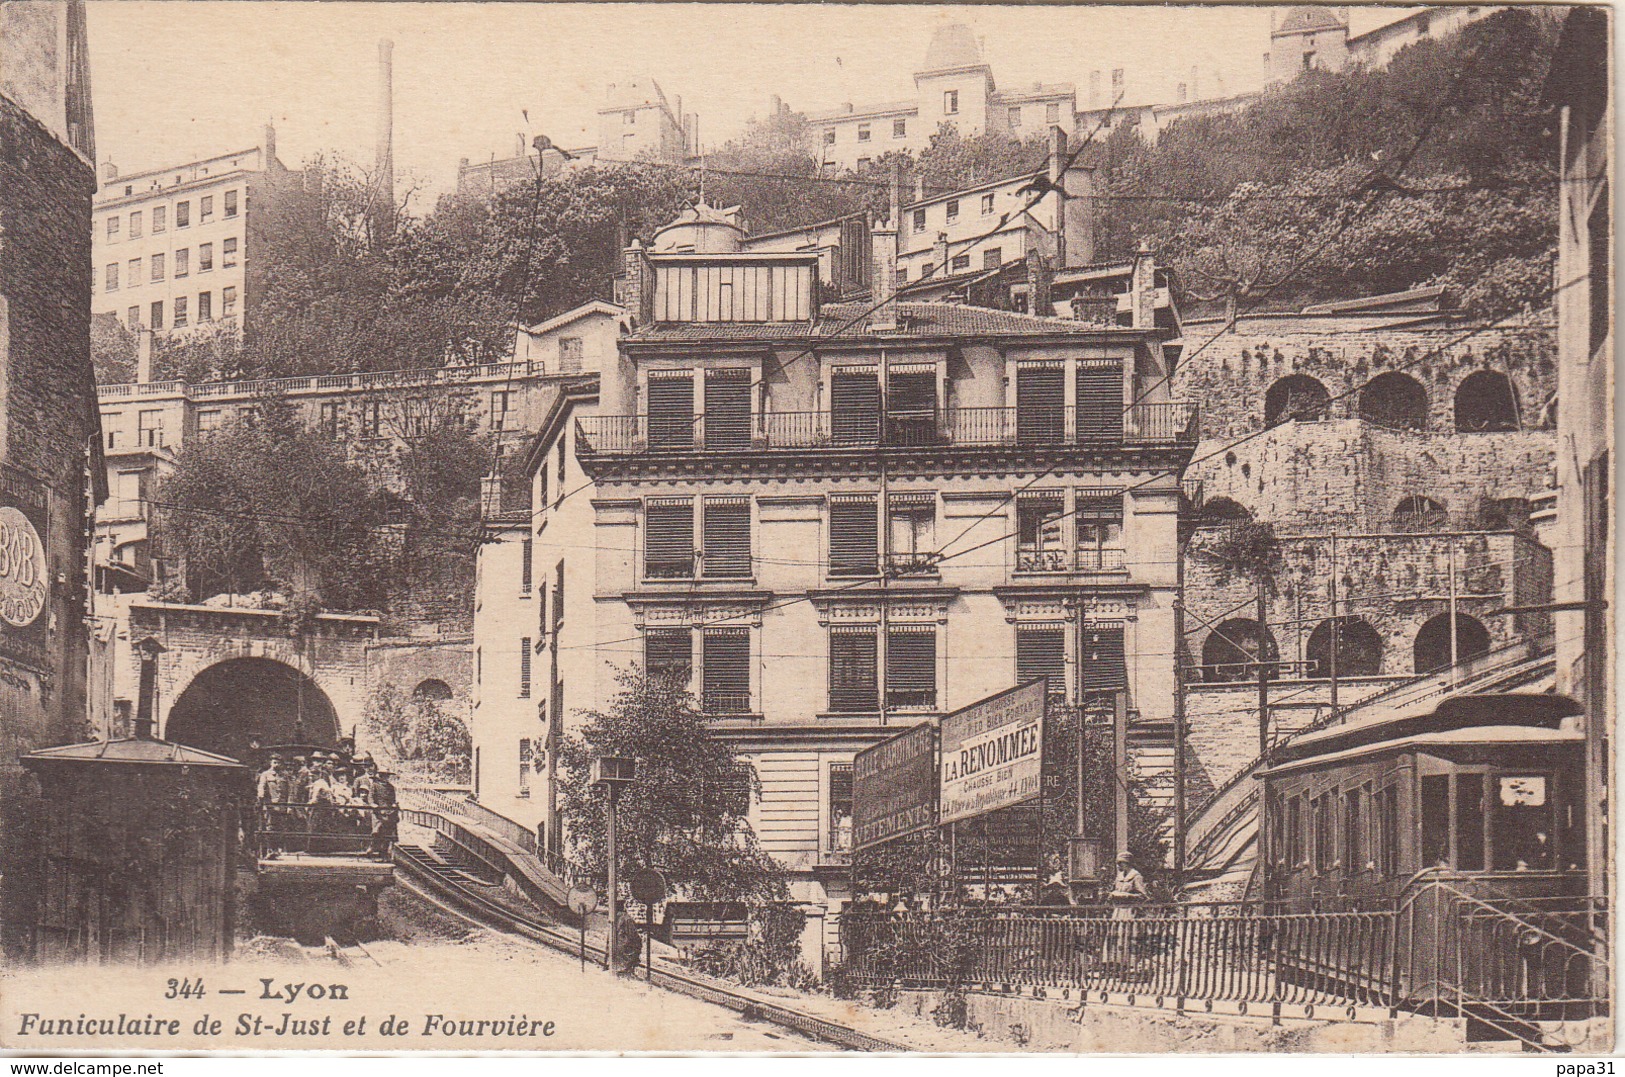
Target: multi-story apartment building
[(176, 248), (840, 522), (955, 86), (636, 123)]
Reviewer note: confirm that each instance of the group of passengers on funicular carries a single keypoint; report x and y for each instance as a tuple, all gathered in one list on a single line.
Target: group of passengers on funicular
[(311, 800)]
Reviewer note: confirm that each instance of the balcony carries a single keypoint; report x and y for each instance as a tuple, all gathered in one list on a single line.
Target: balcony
[(1087, 559), (1172, 423), (719, 704)]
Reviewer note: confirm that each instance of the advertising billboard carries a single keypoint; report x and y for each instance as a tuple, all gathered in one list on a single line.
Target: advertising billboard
[(894, 788), (993, 753)]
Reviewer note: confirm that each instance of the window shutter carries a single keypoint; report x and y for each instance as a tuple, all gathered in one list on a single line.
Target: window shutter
[(1040, 404), (525, 755), (725, 671), (668, 651), (727, 537), (840, 808), (854, 537), (911, 407), (854, 404), (727, 409), (669, 543), (1041, 652), (1104, 666), (853, 684), (526, 552), (671, 412), (911, 666), (1100, 402), (524, 667)]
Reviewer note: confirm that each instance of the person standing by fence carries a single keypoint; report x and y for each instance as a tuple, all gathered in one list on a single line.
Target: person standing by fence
[(1128, 894)]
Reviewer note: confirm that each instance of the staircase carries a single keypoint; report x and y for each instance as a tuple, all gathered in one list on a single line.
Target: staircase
[(1222, 833)]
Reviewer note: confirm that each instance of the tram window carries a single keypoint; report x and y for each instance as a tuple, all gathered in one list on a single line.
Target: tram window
[(1523, 823), (1353, 845), (1294, 832), (1436, 821), (1470, 822), (1325, 835), (1385, 807)]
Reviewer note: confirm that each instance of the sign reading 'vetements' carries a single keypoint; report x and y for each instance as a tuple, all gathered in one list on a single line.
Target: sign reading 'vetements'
[(993, 753), (894, 787)]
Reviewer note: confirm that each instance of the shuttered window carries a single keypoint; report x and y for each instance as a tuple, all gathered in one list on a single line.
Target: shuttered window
[(853, 672), (725, 671), (1040, 532), (911, 407), (727, 537), (854, 536), (524, 667), (854, 406), (558, 596), (1104, 668), (727, 409), (911, 519), (527, 550), (671, 412), (668, 548), (668, 652), (1041, 652), (1100, 402), (525, 755), (911, 667), (1040, 404)]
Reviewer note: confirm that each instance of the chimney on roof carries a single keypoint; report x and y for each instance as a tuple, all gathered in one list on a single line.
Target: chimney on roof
[(883, 276), (638, 285), (109, 172), (143, 354), (268, 145), (939, 254), (1143, 288), (1074, 206)]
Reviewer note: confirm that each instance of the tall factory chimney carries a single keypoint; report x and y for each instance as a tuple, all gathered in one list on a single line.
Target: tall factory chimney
[(384, 173)]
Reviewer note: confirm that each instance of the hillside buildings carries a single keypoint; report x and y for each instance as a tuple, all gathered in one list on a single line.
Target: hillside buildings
[(50, 465), (178, 248), (754, 488)]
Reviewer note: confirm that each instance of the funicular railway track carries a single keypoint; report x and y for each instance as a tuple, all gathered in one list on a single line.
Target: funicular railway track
[(449, 887)]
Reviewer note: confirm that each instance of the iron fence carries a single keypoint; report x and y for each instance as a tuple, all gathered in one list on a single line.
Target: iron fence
[(1336, 959)]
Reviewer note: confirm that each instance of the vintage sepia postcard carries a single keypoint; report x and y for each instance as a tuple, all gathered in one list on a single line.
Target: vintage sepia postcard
[(786, 528)]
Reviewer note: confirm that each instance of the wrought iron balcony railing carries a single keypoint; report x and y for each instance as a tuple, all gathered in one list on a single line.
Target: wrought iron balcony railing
[(1061, 559), (1169, 423)]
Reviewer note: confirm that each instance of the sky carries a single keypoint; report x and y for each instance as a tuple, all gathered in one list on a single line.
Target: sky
[(179, 80)]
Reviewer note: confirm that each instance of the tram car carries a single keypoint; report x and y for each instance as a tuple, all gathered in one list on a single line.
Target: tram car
[(1465, 824)]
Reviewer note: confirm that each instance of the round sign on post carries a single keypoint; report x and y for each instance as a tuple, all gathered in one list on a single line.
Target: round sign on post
[(648, 886), (583, 900)]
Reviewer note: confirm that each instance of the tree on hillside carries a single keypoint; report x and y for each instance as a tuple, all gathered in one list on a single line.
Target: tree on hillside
[(418, 737), (952, 161), (266, 503), (745, 171), (685, 813), (112, 350)]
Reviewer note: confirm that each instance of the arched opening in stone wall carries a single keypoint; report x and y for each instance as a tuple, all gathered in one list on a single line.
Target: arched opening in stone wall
[(1395, 399), (1223, 511), (1432, 648), (1486, 402), (1359, 648), (432, 689), (1230, 650), (233, 703), (1296, 398), (1417, 513)]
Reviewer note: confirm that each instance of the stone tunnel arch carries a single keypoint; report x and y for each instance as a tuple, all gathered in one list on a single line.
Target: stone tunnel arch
[(1224, 511), (1486, 402), (433, 689), (1417, 513), (1232, 647), (232, 703), (1359, 648), (1432, 648), (1395, 399), (1296, 398)]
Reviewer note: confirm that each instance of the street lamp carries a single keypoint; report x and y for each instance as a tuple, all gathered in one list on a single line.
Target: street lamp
[(611, 773)]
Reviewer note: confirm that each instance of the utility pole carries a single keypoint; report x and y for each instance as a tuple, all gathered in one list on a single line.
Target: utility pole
[(1120, 766), (610, 773), (1455, 644), (1263, 665), (1179, 729), (1336, 628)]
